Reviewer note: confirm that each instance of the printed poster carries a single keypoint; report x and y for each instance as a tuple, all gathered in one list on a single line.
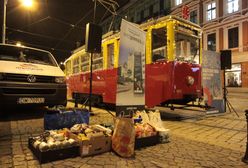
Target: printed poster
[(211, 80), (131, 70)]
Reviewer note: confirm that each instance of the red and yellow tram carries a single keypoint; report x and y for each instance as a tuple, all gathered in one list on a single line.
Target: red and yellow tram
[(172, 69)]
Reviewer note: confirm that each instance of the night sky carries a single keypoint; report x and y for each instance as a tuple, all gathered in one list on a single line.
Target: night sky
[(54, 25)]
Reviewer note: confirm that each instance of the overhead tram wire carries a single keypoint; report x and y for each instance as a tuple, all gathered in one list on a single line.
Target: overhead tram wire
[(40, 46), (36, 22), (36, 34), (66, 23), (111, 3), (78, 22)]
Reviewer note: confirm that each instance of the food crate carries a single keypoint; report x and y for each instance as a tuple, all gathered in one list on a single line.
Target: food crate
[(146, 141), (53, 155)]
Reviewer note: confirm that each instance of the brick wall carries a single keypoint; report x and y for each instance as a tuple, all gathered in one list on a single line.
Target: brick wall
[(245, 4), (245, 35), (244, 67), (221, 43)]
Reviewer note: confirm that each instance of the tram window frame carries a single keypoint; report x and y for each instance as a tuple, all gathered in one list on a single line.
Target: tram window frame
[(110, 56), (85, 62), (97, 61), (68, 69), (196, 56), (159, 53), (75, 67)]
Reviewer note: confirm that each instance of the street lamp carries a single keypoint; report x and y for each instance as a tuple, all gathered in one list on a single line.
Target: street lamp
[(25, 3)]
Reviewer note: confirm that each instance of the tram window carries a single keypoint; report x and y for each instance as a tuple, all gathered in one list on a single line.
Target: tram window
[(159, 44), (110, 56), (187, 48), (97, 61), (76, 65), (85, 62), (68, 67)]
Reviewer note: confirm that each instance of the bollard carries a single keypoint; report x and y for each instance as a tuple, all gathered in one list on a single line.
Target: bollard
[(245, 158)]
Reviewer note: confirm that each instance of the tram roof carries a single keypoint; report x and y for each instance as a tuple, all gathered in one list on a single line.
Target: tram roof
[(112, 34)]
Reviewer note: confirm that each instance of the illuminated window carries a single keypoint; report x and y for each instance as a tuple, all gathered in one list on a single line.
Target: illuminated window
[(178, 2), (211, 11), (232, 5)]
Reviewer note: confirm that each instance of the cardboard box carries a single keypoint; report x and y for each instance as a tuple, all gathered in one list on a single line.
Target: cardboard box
[(95, 145)]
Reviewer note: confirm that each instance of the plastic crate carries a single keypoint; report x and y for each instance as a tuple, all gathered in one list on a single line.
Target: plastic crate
[(146, 141)]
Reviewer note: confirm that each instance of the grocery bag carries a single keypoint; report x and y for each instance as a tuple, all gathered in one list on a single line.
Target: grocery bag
[(65, 118), (155, 120), (145, 117), (123, 139)]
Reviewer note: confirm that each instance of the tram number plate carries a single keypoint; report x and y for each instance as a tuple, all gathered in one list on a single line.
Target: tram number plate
[(31, 100)]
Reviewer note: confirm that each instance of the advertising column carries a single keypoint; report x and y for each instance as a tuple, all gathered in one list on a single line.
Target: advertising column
[(131, 70)]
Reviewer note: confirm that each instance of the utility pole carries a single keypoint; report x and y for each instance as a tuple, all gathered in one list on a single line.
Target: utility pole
[(4, 21)]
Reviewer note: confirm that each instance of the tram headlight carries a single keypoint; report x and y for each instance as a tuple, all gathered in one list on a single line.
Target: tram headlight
[(190, 80), (60, 79)]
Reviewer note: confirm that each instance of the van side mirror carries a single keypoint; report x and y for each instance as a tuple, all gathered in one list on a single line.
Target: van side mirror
[(62, 66)]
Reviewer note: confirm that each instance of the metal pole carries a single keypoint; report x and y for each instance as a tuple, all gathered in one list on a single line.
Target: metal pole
[(4, 21), (224, 90), (94, 17), (90, 97), (245, 158)]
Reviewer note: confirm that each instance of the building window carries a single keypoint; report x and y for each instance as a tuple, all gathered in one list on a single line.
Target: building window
[(142, 16), (193, 16), (212, 42), (132, 19), (161, 5), (232, 5), (233, 76), (233, 37), (211, 11), (151, 11), (178, 2)]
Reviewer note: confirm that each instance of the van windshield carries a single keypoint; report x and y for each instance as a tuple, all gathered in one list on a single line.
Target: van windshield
[(20, 54)]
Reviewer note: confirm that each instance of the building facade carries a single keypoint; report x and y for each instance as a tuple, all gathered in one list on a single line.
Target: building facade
[(137, 11), (225, 27)]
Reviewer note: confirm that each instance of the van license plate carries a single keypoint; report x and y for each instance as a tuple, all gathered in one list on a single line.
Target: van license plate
[(31, 100)]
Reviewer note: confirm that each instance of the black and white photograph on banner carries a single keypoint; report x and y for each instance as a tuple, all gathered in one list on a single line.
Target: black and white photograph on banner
[(131, 72)]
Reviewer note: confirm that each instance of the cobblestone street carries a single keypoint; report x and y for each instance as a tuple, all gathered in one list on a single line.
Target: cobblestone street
[(203, 141)]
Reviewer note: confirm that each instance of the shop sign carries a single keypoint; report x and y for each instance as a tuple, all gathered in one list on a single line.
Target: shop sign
[(185, 12)]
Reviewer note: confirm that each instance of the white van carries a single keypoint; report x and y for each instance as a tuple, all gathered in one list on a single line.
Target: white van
[(30, 76)]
